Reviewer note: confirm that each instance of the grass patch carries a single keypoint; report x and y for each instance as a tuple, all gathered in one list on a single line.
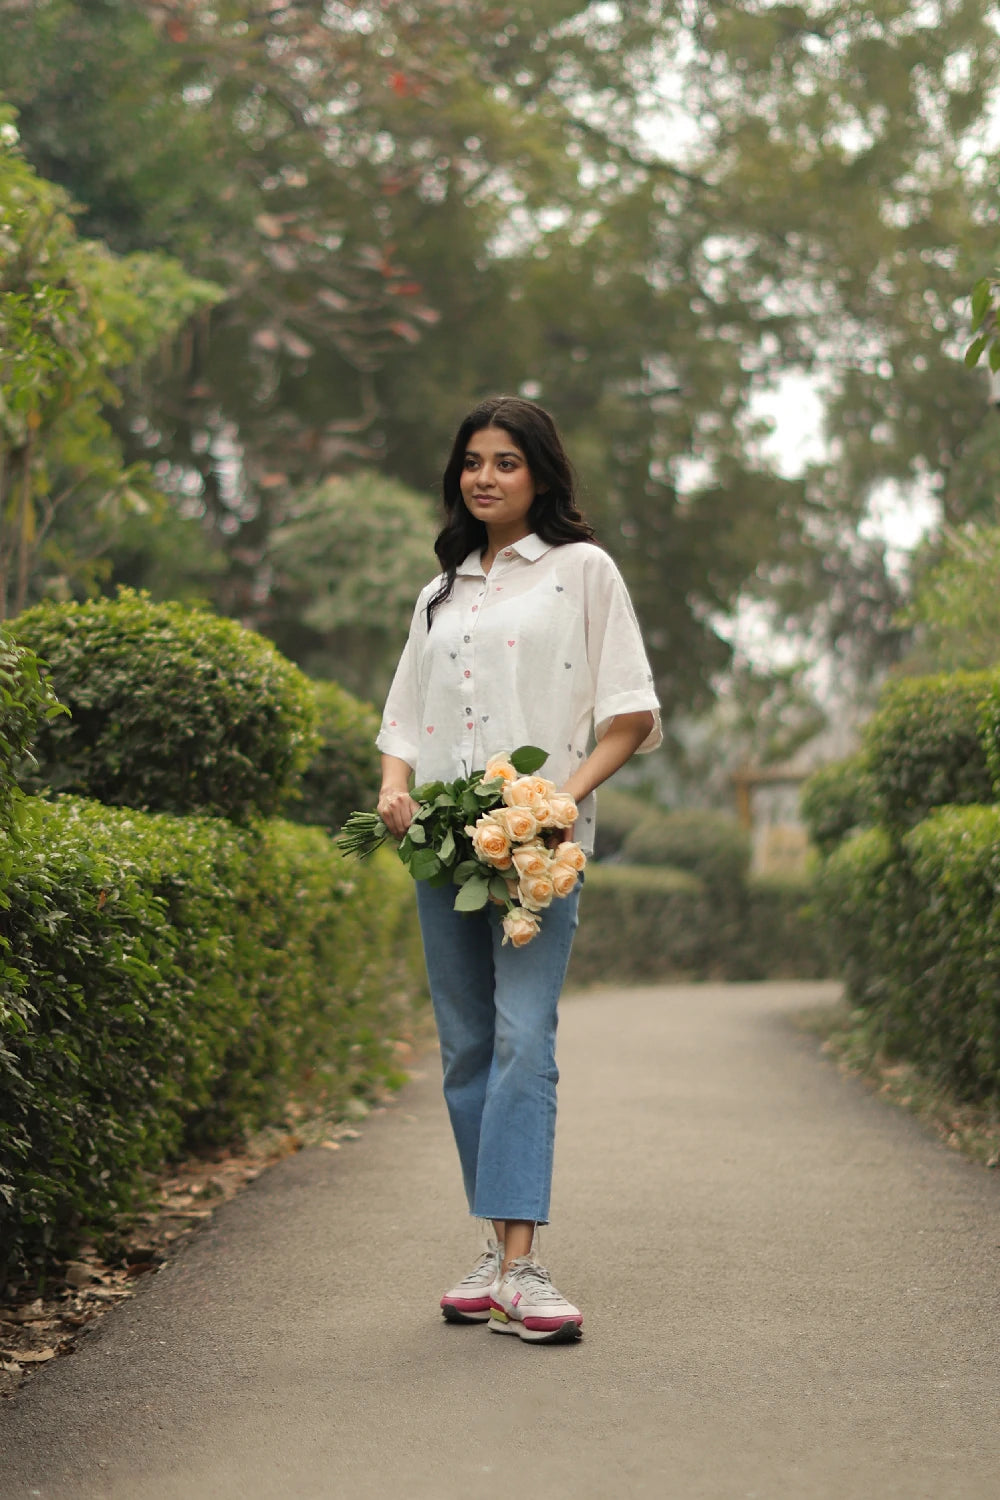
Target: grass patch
[(849, 1036)]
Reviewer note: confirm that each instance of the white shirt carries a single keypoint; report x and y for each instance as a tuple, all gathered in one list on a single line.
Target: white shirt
[(540, 651)]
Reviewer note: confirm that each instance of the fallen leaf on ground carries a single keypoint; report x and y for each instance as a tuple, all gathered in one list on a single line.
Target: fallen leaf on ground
[(33, 1356)]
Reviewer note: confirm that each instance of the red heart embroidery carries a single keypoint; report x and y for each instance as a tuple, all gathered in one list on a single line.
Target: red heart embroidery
[(468, 723), (393, 724), (512, 643), (430, 729)]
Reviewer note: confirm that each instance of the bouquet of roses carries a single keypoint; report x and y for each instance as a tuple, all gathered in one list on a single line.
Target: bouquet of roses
[(485, 833)]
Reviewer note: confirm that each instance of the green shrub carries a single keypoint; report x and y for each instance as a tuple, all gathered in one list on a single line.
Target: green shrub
[(989, 732), (173, 709), (345, 772), (861, 889), (643, 923), (837, 800), (926, 745), (710, 845), (618, 813), (26, 699), (167, 981)]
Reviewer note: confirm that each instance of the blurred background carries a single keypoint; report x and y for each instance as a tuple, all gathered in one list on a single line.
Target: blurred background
[(258, 259)]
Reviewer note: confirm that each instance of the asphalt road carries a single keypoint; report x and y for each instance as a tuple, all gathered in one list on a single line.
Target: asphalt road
[(790, 1293)]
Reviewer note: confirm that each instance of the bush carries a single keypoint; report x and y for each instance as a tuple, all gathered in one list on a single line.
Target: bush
[(345, 772), (25, 700), (861, 889), (926, 745), (837, 800), (618, 813), (173, 709), (167, 981), (709, 845), (659, 924)]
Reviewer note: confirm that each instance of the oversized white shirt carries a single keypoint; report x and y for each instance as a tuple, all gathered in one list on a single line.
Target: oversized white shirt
[(542, 650)]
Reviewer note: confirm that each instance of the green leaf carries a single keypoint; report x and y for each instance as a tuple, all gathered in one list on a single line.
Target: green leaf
[(470, 804), (445, 800), (487, 792), (498, 888), (473, 895), (527, 759), (994, 360), (974, 352), (467, 870), (447, 849), (425, 864), (442, 878), (980, 301), (417, 834)]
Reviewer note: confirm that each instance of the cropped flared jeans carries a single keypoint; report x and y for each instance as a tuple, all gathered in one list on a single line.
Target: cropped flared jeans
[(496, 1014)]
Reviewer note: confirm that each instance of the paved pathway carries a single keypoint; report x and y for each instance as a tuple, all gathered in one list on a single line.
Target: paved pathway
[(796, 1300)]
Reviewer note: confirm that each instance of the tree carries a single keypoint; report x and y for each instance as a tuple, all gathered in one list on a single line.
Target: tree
[(73, 316)]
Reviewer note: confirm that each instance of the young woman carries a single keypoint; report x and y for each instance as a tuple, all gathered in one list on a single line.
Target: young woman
[(527, 637)]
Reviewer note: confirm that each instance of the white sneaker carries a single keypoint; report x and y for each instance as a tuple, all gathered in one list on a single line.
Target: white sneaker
[(526, 1303), (469, 1301)]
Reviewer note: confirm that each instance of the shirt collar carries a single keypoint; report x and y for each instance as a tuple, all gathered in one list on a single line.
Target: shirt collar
[(530, 547)]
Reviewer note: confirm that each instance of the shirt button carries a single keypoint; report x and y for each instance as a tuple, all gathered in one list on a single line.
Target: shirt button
[(468, 710), (509, 552)]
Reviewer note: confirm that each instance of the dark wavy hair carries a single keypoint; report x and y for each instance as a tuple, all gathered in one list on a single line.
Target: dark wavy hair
[(554, 513)]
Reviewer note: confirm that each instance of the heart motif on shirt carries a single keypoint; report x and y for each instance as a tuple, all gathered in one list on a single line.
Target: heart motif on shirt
[(453, 654), (469, 724), (567, 665), (486, 718), (559, 588), (579, 755), (430, 729), (512, 643), (393, 724)]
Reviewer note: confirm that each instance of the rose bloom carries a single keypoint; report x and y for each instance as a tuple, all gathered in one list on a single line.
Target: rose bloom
[(499, 768), (491, 843), (528, 791), (564, 880), (570, 854), (563, 810), (518, 823), (536, 891), (531, 859), (519, 927)]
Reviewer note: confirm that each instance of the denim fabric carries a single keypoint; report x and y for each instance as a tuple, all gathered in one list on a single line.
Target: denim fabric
[(495, 1009)]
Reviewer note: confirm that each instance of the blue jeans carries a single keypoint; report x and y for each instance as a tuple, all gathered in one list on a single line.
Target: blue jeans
[(495, 1009)]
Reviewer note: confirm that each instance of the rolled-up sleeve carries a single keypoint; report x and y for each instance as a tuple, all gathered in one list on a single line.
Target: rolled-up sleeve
[(400, 731), (622, 680)]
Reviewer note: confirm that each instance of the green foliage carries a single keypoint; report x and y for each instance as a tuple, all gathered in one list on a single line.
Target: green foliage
[(985, 323), (956, 606), (925, 745), (344, 773), (73, 318), (710, 845), (349, 563), (918, 925), (653, 924), (172, 709), (618, 814), (26, 699), (837, 800), (168, 982)]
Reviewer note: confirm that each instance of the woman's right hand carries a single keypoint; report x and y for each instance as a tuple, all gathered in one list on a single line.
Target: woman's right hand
[(397, 809)]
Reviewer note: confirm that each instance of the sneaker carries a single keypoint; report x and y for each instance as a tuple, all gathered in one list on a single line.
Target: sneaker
[(526, 1303), (469, 1301)]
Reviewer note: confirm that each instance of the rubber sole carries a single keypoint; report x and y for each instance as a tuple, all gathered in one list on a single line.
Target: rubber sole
[(567, 1333), (454, 1315)]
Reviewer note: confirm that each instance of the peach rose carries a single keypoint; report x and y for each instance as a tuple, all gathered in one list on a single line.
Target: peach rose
[(518, 823), (531, 859), (519, 927), (564, 880), (536, 891), (499, 768), (570, 854), (562, 811), (491, 843), (528, 791)]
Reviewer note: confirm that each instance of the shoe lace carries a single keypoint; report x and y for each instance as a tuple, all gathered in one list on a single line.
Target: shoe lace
[(487, 1261), (536, 1280)]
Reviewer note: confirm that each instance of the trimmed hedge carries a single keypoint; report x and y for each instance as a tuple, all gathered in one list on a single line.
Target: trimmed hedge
[(173, 709), (919, 923), (26, 699), (618, 813), (654, 924), (709, 845), (170, 981), (345, 772), (927, 745), (838, 799)]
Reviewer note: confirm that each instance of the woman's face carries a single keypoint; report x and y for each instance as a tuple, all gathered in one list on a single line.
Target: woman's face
[(497, 485)]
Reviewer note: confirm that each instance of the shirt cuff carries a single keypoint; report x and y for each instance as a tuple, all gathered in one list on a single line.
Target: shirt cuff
[(630, 703), (395, 744)]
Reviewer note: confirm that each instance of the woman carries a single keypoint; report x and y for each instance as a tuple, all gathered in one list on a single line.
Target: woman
[(526, 638)]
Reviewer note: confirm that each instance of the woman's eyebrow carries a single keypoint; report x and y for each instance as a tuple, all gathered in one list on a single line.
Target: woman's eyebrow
[(501, 453)]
